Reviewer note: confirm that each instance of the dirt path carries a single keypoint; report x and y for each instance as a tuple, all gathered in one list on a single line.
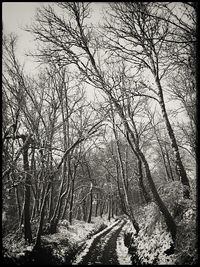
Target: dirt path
[(103, 249)]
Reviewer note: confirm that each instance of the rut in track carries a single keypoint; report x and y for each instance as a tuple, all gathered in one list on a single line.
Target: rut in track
[(101, 252)]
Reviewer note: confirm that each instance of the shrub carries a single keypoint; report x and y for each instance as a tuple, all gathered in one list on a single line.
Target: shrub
[(186, 244), (154, 244), (153, 240)]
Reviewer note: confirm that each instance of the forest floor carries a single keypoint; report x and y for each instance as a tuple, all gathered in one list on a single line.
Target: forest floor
[(98, 242), (111, 242)]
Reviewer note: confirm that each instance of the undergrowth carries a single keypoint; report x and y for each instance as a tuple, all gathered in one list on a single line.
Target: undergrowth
[(153, 244), (56, 249)]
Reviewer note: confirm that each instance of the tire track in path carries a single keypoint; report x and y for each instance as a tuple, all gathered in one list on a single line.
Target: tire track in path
[(103, 249)]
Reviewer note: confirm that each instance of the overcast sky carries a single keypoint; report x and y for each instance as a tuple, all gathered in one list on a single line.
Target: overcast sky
[(17, 15)]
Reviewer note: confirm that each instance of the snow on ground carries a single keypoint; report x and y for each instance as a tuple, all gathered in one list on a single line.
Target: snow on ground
[(89, 242), (128, 227), (103, 219), (107, 237), (78, 231), (70, 236), (124, 257)]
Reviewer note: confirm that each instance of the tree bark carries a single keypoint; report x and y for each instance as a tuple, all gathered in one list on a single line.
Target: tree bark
[(90, 204), (84, 210), (109, 208), (71, 202), (127, 203), (180, 168), (33, 210), (169, 164), (168, 218), (141, 182), (162, 153), (64, 209), (97, 205), (102, 208), (18, 203), (50, 213), (27, 195), (41, 221), (122, 202), (112, 207)]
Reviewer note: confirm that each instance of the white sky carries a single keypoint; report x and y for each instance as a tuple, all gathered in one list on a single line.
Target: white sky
[(17, 15)]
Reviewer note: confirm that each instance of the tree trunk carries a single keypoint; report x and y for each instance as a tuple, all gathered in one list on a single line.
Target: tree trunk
[(33, 210), (90, 207), (141, 182), (27, 195), (18, 203), (116, 209), (84, 211), (42, 213), (78, 213), (168, 218), (41, 197), (109, 208), (50, 213), (112, 207), (64, 209), (122, 203), (169, 164), (97, 205), (57, 213), (162, 154), (180, 168), (54, 219), (127, 203), (67, 192), (67, 187), (146, 195), (22, 217), (66, 160), (102, 208), (71, 202)]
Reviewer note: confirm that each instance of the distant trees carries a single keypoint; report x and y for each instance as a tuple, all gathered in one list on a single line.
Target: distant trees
[(46, 116), (15, 143)]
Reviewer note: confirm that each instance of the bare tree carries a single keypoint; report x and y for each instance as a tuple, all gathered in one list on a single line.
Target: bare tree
[(127, 201), (91, 131), (138, 24), (87, 64)]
